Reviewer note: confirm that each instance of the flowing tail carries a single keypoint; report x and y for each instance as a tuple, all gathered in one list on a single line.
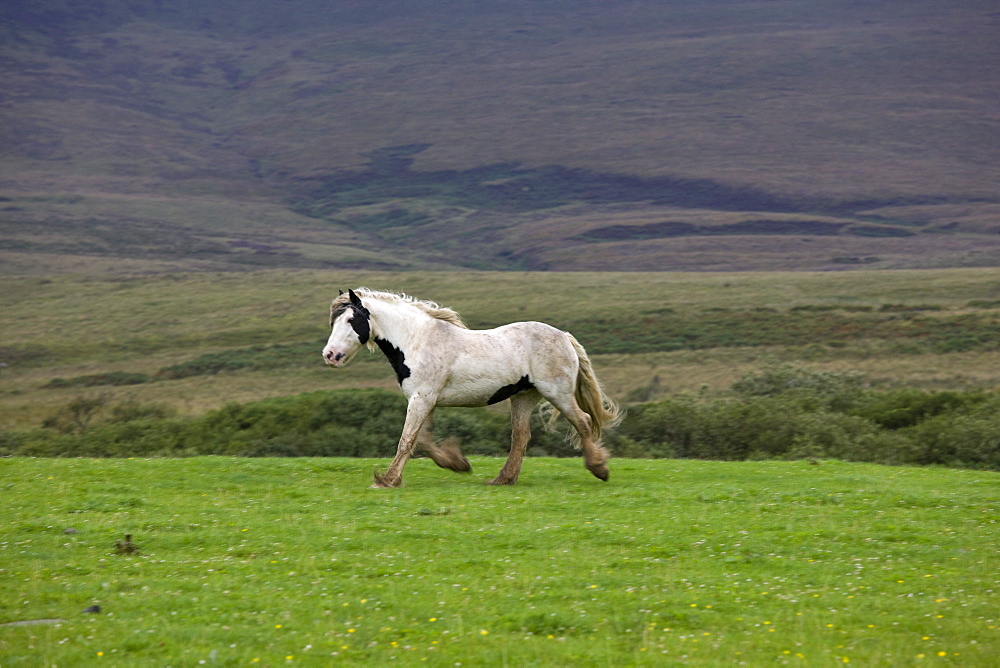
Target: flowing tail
[(603, 411)]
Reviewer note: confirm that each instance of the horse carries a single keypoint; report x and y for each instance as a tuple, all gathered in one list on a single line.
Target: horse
[(439, 361)]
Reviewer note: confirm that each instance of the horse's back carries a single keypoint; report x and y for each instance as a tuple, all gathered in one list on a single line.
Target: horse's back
[(535, 339), (540, 350)]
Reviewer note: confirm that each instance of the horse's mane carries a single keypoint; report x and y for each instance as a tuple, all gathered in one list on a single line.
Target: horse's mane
[(430, 308)]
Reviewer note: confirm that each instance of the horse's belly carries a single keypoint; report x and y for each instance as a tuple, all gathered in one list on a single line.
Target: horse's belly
[(483, 391)]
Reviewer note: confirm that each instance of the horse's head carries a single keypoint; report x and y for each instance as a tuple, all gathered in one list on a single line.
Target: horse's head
[(350, 325)]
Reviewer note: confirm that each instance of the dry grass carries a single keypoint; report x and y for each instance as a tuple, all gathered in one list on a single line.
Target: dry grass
[(82, 326)]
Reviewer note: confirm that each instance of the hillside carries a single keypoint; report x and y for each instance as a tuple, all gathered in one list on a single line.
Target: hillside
[(148, 136)]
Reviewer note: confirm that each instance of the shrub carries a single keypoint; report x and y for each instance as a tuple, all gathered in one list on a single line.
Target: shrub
[(479, 432), (112, 378), (970, 439), (77, 416), (788, 413), (902, 408), (829, 389), (11, 442), (779, 413), (272, 356)]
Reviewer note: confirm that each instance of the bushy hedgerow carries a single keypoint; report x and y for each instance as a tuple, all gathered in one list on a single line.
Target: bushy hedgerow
[(788, 413), (965, 438), (345, 423), (779, 413)]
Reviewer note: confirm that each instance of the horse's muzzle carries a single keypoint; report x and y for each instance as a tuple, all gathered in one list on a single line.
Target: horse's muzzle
[(335, 359)]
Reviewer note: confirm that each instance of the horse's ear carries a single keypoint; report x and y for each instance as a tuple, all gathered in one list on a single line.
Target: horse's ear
[(354, 299), (341, 293)]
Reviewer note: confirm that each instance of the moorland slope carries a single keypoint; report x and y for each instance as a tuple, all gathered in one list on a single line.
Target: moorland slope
[(148, 136)]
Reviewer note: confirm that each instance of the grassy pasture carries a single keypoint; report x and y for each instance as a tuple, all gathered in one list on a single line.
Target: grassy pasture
[(278, 561), (258, 334)]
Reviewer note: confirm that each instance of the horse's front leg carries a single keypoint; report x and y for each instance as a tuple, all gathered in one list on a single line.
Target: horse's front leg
[(417, 411), (447, 454)]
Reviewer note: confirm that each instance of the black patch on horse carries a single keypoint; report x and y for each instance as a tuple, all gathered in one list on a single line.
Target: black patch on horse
[(396, 359), (361, 320), (507, 391), (361, 324)]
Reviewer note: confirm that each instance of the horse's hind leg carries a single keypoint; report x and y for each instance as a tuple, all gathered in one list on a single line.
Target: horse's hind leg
[(447, 455), (521, 406), (595, 457)]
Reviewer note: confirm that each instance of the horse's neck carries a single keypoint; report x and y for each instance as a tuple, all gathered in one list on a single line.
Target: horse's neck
[(399, 324)]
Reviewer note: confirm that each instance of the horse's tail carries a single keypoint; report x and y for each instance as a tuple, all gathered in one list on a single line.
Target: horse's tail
[(603, 411)]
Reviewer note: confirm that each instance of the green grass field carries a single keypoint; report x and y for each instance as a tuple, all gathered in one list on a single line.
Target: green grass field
[(289, 561)]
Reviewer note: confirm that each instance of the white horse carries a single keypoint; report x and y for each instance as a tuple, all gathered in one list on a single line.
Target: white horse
[(439, 361)]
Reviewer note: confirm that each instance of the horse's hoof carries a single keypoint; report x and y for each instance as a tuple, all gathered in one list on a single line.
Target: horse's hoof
[(457, 464), (501, 481), (449, 456), (601, 472), (382, 483)]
